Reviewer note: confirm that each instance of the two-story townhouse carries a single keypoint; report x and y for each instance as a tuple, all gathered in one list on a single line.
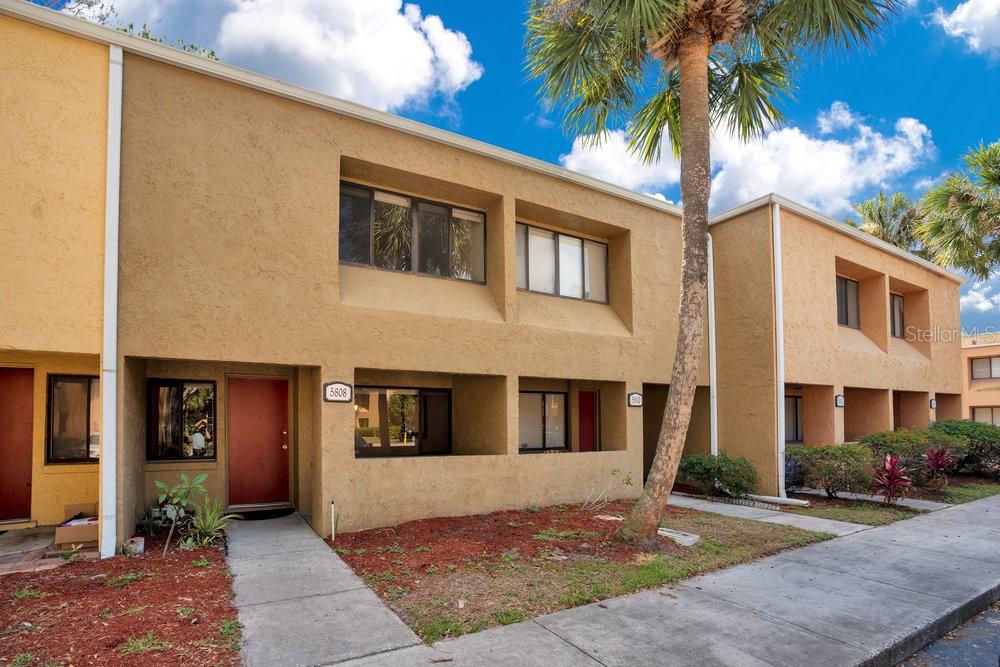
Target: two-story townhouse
[(485, 315), (981, 378), (826, 334)]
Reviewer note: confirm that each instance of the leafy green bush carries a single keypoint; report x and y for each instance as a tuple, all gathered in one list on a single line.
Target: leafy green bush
[(373, 431), (736, 477), (911, 446), (982, 454), (208, 524), (835, 468)]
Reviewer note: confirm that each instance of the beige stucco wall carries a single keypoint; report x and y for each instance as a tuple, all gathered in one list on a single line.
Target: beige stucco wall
[(53, 130), (54, 485), (745, 352), (818, 351), (244, 267), (983, 392)]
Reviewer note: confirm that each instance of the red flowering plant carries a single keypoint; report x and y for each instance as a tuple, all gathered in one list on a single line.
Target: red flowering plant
[(892, 480), (937, 462)]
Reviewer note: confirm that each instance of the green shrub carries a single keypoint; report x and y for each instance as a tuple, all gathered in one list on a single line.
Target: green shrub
[(736, 477), (835, 468), (373, 431), (910, 445), (982, 454)]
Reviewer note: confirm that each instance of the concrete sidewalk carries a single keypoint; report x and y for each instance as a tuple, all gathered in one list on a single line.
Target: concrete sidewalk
[(872, 597), (299, 603), (805, 522)]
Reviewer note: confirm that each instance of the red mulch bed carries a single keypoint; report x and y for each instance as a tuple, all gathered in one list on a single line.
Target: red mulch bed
[(463, 541), (82, 620)]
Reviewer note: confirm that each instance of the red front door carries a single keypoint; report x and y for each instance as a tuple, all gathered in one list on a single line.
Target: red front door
[(588, 420), (17, 387), (258, 441)]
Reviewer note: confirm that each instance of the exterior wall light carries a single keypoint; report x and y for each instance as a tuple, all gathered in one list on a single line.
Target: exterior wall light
[(838, 401), (933, 404)]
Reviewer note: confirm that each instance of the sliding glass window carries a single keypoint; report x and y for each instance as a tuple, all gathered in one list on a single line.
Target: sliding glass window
[(544, 421), (74, 423), (848, 310), (391, 421), (553, 263), (985, 367), (896, 315), (399, 233)]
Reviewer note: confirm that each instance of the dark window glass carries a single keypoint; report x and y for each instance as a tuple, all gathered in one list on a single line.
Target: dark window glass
[(355, 225), (396, 232), (543, 421), (521, 233), (793, 419), (392, 232), (181, 420), (848, 312), (468, 246), (896, 314), (400, 422), (433, 223), (74, 426)]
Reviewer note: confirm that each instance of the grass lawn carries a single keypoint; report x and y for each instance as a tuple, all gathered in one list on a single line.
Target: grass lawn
[(122, 611), (961, 489), (450, 576), (851, 511)]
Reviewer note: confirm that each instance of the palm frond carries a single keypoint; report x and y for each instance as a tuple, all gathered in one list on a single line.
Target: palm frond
[(662, 113), (744, 94), (821, 25)]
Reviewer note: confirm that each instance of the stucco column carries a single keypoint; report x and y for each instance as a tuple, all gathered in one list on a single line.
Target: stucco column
[(838, 415), (513, 419), (333, 453)]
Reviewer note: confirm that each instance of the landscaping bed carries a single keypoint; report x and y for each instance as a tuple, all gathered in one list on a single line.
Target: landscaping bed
[(450, 576), (960, 489), (122, 611)]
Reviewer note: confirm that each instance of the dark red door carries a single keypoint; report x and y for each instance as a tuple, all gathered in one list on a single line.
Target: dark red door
[(258, 441), (17, 390), (587, 401)]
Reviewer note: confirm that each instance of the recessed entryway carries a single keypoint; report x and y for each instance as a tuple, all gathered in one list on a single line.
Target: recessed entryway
[(259, 441), (16, 402)]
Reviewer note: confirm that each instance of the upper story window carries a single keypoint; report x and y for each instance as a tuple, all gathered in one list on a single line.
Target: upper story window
[(554, 263), (985, 367), (896, 314), (74, 423), (399, 233), (848, 310)]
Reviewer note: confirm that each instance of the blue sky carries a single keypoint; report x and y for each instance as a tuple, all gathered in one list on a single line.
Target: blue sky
[(896, 116)]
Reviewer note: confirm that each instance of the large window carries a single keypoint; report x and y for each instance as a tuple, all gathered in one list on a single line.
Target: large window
[(398, 233), (399, 421), (181, 420), (544, 421), (896, 313), (848, 311), (985, 367), (554, 263), (987, 415), (74, 419)]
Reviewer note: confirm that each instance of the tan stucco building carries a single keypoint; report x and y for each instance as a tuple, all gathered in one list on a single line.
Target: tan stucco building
[(981, 378), (830, 334), (371, 320)]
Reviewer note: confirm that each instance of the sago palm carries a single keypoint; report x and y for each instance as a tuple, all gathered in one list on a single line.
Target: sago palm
[(894, 219), (677, 68), (961, 215)]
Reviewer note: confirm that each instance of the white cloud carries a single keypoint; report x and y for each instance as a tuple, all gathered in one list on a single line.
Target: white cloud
[(976, 22), (981, 299), (839, 116), (821, 172), (375, 52), (612, 161)]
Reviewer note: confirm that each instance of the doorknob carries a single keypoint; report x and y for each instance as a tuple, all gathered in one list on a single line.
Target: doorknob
[(284, 446)]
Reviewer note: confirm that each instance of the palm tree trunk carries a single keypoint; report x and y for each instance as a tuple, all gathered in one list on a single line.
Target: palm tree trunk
[(696, 183)]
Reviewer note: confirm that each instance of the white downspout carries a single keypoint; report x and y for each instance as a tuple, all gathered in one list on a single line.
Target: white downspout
[(109, 351), (779, 342), (713, 394)]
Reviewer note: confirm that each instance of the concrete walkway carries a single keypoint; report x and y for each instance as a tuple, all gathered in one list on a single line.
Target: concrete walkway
[(814, 523), (872, 597), (299, 603)]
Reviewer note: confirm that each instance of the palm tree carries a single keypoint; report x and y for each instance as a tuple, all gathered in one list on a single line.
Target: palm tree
[(679, 67), (894, 219), (961, 215)]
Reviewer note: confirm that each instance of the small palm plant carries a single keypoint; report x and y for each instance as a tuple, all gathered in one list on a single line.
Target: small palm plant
[(937, 462), (892, 479), (177, 500), (207, 525)]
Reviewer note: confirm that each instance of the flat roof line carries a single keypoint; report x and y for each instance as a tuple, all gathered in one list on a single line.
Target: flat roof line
[(166, 54), (837, 226)]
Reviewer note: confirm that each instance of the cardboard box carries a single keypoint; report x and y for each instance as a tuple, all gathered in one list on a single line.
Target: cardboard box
[(82, 526)]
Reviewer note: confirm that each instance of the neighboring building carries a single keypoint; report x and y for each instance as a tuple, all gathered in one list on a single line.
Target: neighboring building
[(844, 336), (488, 315), (981, 378)]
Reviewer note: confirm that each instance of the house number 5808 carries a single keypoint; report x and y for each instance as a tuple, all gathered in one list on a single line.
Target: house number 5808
[(337, 392)]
